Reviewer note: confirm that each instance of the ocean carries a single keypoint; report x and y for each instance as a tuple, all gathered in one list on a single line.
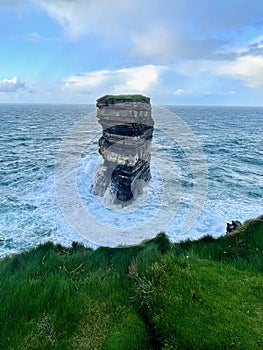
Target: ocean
[(206, 169)]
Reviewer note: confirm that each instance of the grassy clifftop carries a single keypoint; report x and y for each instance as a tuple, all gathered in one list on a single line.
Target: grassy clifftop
[(111, 99), (205, 294)]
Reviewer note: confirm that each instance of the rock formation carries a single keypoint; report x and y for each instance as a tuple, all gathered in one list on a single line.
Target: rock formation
[(125, 146), (235, 224)]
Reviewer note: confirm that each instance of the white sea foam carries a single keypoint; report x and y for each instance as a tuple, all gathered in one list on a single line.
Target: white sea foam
[(29, 210)]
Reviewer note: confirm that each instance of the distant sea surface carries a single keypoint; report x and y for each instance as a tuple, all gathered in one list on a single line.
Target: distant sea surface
[(30, 139)]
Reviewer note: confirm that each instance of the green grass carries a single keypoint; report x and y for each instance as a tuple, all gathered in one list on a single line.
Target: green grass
[(243, 248), (59, 299), (200, 304), (205, 294), (105, 100)]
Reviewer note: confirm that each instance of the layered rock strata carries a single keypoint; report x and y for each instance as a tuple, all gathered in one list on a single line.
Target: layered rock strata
[(125, 146)]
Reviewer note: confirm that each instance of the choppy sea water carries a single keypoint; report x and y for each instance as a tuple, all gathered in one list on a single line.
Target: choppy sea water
[(31, 140)]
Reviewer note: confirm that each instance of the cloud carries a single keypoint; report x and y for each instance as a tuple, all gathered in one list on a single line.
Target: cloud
[(154, 37), (254, 47), (10, 3), (79, 17), (137, 79), (126, 80), (180, 92), (87, 80), (183, 81), (162, 45), (210, 17), (158, 32), (231, 92), (11, 85), (249, 69), (35, 37)]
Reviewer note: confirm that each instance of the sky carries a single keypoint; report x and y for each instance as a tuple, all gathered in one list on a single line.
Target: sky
[(185, 52)]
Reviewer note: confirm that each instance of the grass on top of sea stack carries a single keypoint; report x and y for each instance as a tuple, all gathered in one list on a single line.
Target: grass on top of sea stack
[(205, 294), (111, 99)]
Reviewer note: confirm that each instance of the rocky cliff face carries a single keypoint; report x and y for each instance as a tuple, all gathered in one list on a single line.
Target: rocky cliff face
[(125, 146)]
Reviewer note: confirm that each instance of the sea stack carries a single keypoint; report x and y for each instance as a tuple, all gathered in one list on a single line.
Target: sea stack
[(125, 146)]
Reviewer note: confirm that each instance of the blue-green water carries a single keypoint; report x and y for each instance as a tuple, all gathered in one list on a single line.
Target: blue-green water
[(31, 136)]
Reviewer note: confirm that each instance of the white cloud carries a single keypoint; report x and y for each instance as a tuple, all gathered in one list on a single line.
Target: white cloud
[(231, 92), (178, 82), (127, 80), (11, 85), (208, 17), (79, 17), (249, 69), (137, 79), (87, 80), (179, 92), (158, 32), (165, 45), (154, 44), (35, 37)]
